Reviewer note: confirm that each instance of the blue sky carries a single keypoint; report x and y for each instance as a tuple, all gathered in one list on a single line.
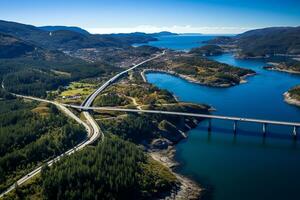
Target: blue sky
[(191, 16)]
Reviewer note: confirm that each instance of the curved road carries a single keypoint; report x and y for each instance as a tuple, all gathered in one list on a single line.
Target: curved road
[(89, 100), (92, 127)]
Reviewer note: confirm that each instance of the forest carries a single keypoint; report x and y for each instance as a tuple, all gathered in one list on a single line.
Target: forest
[(113, 169), (29, 137)]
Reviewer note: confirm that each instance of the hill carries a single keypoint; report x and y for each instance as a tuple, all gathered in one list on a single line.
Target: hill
[(207, 50), (64, 28), (11, 47), (264, 42), (69, 39), (163, 33)]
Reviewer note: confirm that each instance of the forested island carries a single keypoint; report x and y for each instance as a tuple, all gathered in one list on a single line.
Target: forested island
[(207, 50), (199, 69)]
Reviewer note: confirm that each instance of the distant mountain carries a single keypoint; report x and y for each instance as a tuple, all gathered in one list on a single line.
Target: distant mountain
[(11, 47), (267, 41), (221, 40), (69, 40), (162, 33), (64, 28), (23, 31), (207, 50)]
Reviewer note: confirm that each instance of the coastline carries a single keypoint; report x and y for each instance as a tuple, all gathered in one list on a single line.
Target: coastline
[(274, 68), (244, 78), (191, 79), (288, 99), (187, 189)]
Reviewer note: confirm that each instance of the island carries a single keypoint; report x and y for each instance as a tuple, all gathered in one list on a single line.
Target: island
[(198, 69), (207, 50), (289, 66), (293, 96)]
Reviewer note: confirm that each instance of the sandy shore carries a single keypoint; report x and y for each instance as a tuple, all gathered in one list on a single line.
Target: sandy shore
[(243, 78), (290, 100)]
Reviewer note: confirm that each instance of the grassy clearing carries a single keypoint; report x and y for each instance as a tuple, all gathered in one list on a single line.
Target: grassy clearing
[(42, 109), (78, 88), (61, 73), (74, 93)]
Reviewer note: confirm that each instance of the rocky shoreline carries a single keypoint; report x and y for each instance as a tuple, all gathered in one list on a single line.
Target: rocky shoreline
[(276, 68), (163, 151), (187, 188), (290, 100)]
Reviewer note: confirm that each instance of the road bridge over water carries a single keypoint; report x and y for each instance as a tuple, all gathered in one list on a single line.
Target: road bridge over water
[(264, 123)]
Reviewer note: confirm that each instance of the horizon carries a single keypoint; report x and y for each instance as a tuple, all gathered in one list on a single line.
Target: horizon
[(177, 16), (154, 30)]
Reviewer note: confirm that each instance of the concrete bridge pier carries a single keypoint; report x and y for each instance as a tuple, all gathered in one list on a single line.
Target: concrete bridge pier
[(264, 128), (234, 126), (295, 132)]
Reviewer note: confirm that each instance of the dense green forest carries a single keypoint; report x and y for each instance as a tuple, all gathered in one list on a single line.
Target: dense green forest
[(36, 76), (207, 50), (11, 47), (114, 169), (28, 136)]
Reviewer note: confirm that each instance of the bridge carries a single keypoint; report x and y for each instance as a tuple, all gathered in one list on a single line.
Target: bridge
[(264, 123)]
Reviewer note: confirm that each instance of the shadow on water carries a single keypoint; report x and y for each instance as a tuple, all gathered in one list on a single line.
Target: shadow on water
[(216, 129)]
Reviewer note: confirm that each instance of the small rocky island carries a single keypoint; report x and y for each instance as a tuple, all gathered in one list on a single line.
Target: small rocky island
[(293, 96), (289, 66)]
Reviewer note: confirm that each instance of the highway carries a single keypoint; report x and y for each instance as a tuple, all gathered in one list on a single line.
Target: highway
[(89, 100)]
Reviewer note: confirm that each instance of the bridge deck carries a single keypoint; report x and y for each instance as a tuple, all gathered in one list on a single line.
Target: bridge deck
[(190, 114)]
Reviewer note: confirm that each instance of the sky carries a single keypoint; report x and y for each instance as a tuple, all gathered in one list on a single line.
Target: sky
[(180, 16)]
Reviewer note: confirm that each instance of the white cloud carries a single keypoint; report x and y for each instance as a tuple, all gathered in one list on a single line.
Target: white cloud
[(175, 29)]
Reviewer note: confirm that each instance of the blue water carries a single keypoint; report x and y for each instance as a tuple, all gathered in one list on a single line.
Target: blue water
[(180, 42), (246, 165)]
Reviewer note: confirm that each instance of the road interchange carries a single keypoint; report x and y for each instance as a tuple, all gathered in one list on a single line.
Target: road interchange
[(93, 130)]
